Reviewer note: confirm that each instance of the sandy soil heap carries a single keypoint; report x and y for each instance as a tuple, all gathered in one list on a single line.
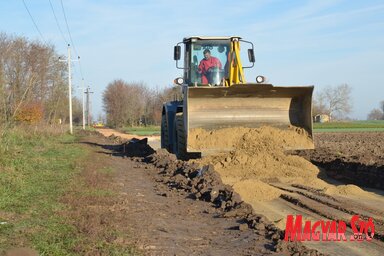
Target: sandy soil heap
[(258, 157)]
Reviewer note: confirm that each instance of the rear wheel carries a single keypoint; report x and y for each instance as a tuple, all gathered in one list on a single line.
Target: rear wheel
[(164, 133), (181, 146)]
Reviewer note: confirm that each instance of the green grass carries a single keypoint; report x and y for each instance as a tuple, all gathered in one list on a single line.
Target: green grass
[(353, 126), (34, 172), (38, 170), (142, 130)]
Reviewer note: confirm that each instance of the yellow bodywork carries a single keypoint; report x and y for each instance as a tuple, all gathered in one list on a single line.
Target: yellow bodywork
[(236, 73)]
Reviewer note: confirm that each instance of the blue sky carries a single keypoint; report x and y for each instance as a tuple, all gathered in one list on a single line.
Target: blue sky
[(321, 43)]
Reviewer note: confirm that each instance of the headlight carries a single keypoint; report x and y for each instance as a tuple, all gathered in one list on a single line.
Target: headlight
[(260, 79), (179, 81)]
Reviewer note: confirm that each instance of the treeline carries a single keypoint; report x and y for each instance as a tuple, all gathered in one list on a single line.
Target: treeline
[(133, 104), (33, 83)]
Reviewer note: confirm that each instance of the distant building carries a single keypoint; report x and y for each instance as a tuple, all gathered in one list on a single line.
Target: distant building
[(321, 118)]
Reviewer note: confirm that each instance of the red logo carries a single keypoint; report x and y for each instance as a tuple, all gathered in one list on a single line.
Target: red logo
[(328, 230)]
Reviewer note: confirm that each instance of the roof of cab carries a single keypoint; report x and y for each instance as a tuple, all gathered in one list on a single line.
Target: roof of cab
[(187, 39)]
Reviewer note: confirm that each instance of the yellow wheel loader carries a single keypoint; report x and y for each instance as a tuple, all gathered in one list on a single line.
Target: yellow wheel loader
[(216, 95)]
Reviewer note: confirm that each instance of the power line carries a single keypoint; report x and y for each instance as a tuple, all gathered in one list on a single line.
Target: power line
[(57, 22), (66, 22), (70, 37), (62, 34), (34, 23)]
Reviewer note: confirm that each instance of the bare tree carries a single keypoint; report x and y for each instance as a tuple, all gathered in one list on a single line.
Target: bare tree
[(134, 103), (30, 75), (115, 97), (318, 106), (335, 101), (376, 114), (160, 96)]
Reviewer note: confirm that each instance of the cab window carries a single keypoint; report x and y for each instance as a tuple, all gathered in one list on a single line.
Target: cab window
[(209, 61)]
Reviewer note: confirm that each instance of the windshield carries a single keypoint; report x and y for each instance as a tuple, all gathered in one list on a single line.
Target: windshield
[(209, 61)]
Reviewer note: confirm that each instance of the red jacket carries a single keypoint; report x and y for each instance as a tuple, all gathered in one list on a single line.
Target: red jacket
[(207, 64)]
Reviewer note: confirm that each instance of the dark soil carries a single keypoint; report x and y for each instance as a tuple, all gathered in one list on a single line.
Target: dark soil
[(355, 157)]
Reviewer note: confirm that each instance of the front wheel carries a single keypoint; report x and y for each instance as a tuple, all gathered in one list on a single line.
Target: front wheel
[(180, 145), (164, 133)]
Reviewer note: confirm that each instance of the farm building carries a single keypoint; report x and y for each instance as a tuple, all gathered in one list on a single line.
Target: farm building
[(321, 118)]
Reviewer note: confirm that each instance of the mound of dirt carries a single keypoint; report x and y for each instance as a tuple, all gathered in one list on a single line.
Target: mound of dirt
[(243, 137), (257, 157), (347, 190)]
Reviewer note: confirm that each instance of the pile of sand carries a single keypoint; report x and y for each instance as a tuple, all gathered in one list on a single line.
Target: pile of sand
[(253, 138), (256, 152), (257, 157)]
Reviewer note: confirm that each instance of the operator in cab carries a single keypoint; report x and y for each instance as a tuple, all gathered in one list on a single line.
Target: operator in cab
[(207, 64)]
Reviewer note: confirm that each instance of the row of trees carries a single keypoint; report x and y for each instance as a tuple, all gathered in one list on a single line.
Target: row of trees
[(134, 103), (33, 83)]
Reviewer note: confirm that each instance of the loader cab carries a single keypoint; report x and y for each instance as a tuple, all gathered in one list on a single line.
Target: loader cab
[(225, 68), (197, 51), (194, 48)]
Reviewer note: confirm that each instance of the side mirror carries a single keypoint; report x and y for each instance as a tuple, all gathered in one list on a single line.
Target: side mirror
[(176, 52), (251, 55)]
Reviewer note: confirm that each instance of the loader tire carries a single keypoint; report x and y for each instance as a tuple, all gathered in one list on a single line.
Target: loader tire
[(181, 146), (164, 133)]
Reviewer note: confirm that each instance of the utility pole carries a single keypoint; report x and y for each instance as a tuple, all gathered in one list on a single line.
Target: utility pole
[(83, 93), (88, 92), (70, 90), (69, 87)]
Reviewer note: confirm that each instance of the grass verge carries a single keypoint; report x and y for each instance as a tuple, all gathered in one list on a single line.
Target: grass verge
[(39, 171), (353, 126), (142, 130), (35, 170)]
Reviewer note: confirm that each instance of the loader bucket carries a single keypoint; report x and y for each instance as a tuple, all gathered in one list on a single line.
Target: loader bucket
[(249, 105)]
